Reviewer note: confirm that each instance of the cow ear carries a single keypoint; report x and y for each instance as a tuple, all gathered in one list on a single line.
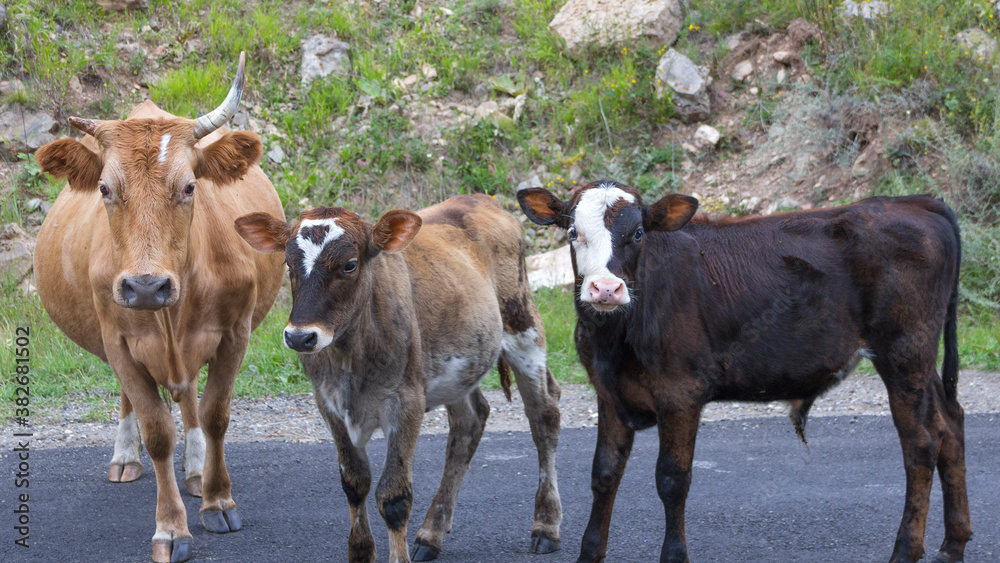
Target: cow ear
[(672, 212), (263, 232), (542, 207), (68, 158), (395, 230), (229, 158)]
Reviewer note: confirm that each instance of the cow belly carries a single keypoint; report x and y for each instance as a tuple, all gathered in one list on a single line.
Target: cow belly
[(451, 378)]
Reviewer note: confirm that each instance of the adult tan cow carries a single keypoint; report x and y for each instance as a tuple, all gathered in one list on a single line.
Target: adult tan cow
[(139, 264)]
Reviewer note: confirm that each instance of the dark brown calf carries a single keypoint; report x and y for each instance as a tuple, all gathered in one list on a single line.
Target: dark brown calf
[(386, 334), (674, 314)]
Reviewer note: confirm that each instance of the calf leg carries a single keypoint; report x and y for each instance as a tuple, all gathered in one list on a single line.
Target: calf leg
[(525, 353), (126, 466), (466, 421), (394, 493), (218, 509), (913, 410), (172, 540), (194, 440), (951, 471), (614, 445), (356, 480), (677, 432)]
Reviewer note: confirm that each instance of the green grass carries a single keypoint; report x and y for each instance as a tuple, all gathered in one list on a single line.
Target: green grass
[(192, 90)]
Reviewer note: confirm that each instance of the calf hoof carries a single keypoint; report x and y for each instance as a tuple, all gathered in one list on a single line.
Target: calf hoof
[(424, 552), (221, 521), (119, 473), (543, 542), (171, 551), (193, 485), (943, 557)]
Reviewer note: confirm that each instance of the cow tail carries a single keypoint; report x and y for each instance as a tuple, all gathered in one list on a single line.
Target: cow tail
[(504, 370), (949, 369)]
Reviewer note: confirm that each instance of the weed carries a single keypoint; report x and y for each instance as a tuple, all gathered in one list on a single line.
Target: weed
[(191, 90)]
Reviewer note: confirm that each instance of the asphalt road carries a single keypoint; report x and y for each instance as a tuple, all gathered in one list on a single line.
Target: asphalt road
[(758, 495)]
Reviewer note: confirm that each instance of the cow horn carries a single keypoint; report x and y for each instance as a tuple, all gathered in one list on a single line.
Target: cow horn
[(220, 115), (88, 126)]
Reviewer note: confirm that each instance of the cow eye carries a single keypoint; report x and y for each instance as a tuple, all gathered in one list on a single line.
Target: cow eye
[(105, 192), (637, 237), (572, 234), (350, 266), (189, 189)]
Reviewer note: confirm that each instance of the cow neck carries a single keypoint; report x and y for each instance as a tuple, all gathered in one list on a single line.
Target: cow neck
[(176, 376)]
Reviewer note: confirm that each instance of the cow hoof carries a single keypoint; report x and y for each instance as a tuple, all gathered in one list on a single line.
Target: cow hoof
[(171, 551), (221, 521), (424, 552), (942, 557), (543, 542), (193, 485), (118, 473)]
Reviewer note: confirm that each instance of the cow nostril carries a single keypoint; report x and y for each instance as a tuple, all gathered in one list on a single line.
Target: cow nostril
[(128, 292), (164, 290), (301, 341), (311, 340)]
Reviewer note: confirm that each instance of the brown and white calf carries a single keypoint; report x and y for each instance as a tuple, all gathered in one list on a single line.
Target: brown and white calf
[(137, 262), (386, 334), (675, 312)]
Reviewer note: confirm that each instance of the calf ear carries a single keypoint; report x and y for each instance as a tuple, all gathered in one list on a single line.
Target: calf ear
[(542, 207), (672, 212), (263, 232), (67, 158), (395, 230), (229, 158)]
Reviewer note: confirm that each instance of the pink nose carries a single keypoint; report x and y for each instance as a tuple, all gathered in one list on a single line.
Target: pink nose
[(607, 291)]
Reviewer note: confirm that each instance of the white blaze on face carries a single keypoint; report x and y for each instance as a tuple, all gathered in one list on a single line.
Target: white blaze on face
[(312, 250), (164, 141), (593, 244)]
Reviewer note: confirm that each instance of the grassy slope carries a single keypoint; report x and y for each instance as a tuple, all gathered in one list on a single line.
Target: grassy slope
[(374, 161)]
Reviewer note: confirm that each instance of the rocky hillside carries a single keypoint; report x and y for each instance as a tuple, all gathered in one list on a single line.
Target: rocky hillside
[(754, 107)]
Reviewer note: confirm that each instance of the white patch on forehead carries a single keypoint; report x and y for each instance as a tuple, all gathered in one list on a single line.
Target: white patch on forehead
[(311, 250), (164, 141), (593, 245)]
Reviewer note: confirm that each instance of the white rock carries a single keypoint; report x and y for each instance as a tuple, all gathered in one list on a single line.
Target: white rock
[(689, 83), (550, 269), (780, 76), (706, 137), (979, 44), (584, 22), (867, 10), (533, 182), (322, 56), (276, 154), (25, 130), (784, 57), (410, 80), (486, 109), (429, 72), (16, 248), (742, 71)]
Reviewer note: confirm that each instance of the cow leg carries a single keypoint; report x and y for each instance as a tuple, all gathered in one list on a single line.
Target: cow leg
[(126, 466), (913, 409), (677, 432), (394, 492), (466, 422), (356, 480), (951, 472), (525, 353), (172, 540), (194, 440), (614, 445), (218, 509)]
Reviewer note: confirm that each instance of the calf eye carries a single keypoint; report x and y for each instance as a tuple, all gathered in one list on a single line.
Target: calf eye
[(189, 189), (637, 237), (572, 233), (105, 192), (350, 266)]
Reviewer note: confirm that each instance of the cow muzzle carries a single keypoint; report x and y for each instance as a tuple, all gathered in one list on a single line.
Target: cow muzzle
[(146, 291), (306, 340), (605, 294)]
